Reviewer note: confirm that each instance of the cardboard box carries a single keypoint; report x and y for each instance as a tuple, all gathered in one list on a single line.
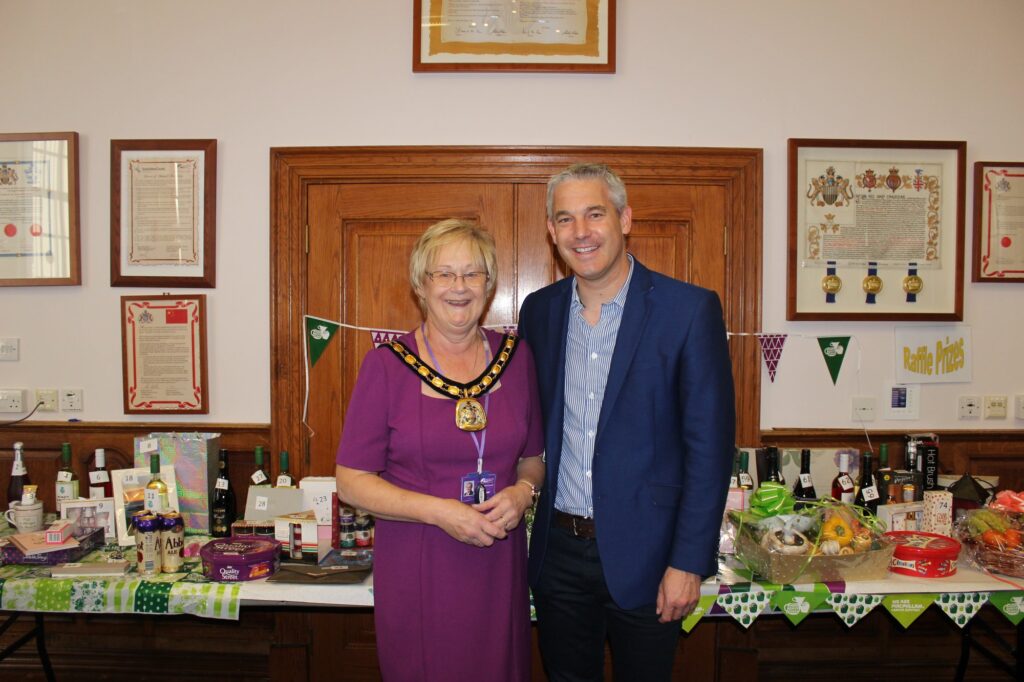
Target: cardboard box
[(297, 534), (58, 532), (902, 516), (194, 458), (320, 493)]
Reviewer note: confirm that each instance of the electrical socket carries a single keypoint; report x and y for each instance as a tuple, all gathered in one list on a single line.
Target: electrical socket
[(9, 349), (71, 400), (995, 407), (12, 400), (969, 407), (48, 399), (863, 409)]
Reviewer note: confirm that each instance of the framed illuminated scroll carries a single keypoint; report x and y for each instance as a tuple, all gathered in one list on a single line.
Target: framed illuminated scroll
[(876, 230), (163, 213), (998, 222), (39, 209), (163, 352), (510, 35)]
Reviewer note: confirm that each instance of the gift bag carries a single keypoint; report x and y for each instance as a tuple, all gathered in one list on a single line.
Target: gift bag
[(194, 458)]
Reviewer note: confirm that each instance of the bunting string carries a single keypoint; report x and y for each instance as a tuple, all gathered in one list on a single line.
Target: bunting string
[(834, 349)]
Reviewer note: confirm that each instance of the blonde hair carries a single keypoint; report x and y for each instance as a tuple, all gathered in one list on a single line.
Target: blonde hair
[(451, 231)]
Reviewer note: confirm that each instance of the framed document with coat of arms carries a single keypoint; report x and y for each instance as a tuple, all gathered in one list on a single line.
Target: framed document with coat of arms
[(998, 222), (876, 230)]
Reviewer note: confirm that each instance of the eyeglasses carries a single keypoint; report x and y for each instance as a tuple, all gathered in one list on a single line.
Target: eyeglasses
[(446, 279)]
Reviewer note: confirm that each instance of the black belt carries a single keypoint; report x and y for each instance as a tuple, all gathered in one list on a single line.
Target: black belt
[(580, 526)]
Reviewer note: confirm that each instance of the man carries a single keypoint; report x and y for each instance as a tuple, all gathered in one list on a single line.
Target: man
[(636, 387)]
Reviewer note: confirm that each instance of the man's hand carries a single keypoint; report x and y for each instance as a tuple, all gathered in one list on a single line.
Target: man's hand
[(677, 594)]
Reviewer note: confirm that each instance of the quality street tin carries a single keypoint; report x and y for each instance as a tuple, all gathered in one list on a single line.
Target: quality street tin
[(923, 555)]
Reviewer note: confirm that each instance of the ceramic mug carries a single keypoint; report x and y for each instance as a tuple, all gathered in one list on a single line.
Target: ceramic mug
[(28, 518)]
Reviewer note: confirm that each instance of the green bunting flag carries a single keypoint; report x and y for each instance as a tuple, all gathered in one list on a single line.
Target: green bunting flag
[(1010, 604), (319, 333), (833, 349), (907, 607), (798, 605), (703, 606)]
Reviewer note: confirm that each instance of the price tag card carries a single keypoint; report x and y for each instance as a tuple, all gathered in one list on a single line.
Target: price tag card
[(845, 482), (284, 481), (258, 477), (261, 503), (870, 493), (149, 445), (746, 480), (805, 480), (221, 484), (64, 476), (99, 476)]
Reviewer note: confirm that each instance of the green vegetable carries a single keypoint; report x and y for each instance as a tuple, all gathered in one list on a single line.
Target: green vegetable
[(994, 521)]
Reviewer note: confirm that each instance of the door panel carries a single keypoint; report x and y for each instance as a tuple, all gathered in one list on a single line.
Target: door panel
[(360, 241)]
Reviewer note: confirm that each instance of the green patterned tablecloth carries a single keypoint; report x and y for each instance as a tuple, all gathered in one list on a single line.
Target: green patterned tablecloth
[(30, 588)]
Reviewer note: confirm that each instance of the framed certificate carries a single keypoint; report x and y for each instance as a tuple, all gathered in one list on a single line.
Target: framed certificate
[(39, 237), (163, 213), (998, 222), (876, 230), (510, 35), (163, 351)]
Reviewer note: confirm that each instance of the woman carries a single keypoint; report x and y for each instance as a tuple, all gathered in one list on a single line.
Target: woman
[(442, 442)]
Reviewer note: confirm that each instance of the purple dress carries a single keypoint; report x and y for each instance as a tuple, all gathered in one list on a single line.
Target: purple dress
[(444, 610)]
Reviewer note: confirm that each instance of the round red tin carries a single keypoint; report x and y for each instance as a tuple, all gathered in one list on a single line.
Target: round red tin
[(923, 555)]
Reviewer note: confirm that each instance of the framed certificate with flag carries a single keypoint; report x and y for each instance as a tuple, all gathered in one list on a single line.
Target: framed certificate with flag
[(163, 351)]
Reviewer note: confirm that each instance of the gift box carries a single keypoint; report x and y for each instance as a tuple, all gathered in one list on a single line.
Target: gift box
[(937, 516), (194, 458), (297, 534), (320, 493)]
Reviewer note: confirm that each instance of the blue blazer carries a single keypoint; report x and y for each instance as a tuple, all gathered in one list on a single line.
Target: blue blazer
[(665, 437)]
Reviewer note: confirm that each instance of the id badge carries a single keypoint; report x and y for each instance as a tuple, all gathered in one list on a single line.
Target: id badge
[(478, 487)]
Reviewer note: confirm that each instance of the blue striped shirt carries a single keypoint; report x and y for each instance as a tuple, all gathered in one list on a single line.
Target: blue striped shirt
[(588, 356)]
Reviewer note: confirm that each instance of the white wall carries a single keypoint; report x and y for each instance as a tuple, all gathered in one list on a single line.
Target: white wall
[(257, 74)]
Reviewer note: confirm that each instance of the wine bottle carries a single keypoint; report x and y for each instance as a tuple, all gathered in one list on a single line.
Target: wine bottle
[(284, 479), (259, 477), (745, 479), (884, 475), (67, 479), (867, 494), (222, 511), (155, 494), (804, 490), (99, 477), (774, 468), (19, 476), (842, 484)]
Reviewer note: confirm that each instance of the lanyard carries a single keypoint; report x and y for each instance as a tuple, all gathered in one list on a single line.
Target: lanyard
[(480, 442)]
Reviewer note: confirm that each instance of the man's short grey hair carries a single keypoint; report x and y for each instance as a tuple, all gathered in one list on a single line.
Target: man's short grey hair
[(589, 171)]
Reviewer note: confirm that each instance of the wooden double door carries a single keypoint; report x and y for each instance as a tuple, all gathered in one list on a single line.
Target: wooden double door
[(345, 220)]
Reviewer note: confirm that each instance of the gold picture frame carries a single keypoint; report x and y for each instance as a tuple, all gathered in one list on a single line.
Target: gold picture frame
[(39, 210), (503, 35)]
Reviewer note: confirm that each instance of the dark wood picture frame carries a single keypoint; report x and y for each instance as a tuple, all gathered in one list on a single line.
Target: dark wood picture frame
[(982, 215), (199, 400), (204, 276), (69, 255), (598, 30), (952, 156)]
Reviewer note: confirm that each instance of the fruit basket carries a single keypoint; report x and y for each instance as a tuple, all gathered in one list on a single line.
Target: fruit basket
[(994, 540)]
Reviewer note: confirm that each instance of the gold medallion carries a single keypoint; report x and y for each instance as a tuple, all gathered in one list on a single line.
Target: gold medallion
[(872, 284), (912, 284), (470, 415), (831, 284)]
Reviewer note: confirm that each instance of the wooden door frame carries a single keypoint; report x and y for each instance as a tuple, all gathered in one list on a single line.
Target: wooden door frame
[(294, 169)]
